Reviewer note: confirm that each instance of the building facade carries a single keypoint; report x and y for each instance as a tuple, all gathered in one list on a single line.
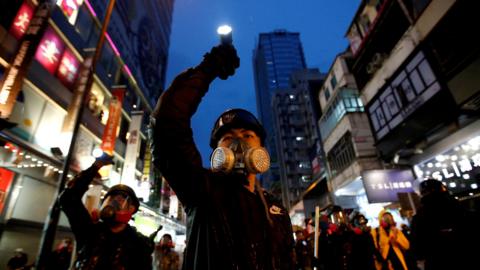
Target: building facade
[(33, 150), (297, 134), (417, 67), (276, 55), (346, 137)]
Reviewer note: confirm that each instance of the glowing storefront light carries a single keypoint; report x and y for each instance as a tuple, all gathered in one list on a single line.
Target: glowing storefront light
[(50, 51), (21, 21)]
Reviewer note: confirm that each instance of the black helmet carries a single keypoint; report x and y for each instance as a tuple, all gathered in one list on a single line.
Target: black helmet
[(236, 118), (432, 186), (125, 190)]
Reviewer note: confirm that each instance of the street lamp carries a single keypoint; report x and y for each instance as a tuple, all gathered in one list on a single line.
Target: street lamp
[(225, 33)]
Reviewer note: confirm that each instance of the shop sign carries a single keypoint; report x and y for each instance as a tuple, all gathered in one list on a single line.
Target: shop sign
[(70, 8), (458, 168), (21, 21), (6, 178), (131, 152), (114, 116), (383, 185), (12, 80), (68, 68), (50, 51), (147, 164)]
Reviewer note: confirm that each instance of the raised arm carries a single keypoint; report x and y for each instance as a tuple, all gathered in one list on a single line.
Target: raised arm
[(171, 139)]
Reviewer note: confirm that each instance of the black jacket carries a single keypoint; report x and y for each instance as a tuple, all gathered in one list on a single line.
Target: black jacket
[(209, 198), (99, 248)]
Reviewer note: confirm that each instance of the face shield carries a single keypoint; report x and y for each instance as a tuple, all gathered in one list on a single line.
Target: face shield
[(116, 208)]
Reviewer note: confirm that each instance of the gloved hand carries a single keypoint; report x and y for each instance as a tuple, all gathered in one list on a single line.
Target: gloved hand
[(221, 61)]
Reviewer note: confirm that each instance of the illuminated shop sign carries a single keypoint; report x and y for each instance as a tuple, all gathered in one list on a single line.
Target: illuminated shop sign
[(50, 50), (70, 8), (21, 21), (383, 185), (457, 167), (68, 68)]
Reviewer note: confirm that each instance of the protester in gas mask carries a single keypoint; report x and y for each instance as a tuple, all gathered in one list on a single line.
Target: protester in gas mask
[(390, 243), (110, 243), (165, 257), (232, 223)]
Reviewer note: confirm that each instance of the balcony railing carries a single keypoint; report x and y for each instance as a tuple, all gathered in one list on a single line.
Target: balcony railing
[(347, 100)]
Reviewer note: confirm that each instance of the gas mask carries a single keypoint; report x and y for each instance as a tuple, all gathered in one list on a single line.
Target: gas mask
[(116, 209), (239, 157)]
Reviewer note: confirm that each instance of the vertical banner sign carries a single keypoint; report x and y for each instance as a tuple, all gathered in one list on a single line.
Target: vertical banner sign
[(12, 80), (147, 164), (6, 178), (114, 116), (21, 21), (81, 84), (133, 143)]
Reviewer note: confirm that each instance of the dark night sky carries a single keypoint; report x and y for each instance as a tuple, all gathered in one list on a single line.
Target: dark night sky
[(322, 25)]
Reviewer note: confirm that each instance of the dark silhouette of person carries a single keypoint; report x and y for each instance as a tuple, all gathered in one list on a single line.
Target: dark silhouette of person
[(443, 231)]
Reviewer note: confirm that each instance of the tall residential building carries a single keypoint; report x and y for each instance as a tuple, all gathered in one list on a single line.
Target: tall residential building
[(295, 123), (32, 152), (276, 56)]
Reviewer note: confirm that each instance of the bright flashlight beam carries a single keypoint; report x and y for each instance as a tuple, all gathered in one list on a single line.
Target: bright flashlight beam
[(224, 30), (225, 33)]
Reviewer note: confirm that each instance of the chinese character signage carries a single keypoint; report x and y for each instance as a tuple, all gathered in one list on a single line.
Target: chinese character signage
[(68, 68), (21, 21), (50, 50), (12, 80), (383, 185), (133, 143), (6, 178), (114, 116)]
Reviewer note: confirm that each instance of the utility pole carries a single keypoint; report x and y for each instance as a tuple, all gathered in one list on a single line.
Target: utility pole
[(51, 222)]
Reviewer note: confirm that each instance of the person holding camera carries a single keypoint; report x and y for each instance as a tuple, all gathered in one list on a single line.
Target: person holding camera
[(232, 222), (109, 243)]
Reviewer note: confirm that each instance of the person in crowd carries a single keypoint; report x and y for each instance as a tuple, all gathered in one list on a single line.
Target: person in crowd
[(443, 231), (335, 241), (363, 248), (62, 255), (110, 243), (165, 257), (303, 250), (232, 222), (18, 261), (390, 244)]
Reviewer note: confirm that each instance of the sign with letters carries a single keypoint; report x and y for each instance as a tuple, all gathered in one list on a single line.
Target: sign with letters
[(383, 185)]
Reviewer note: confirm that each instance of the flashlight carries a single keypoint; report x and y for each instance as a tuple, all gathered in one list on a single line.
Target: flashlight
[(225, 33)]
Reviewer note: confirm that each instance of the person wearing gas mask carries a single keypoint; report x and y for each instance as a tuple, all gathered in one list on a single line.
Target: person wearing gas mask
[(232, 223), (165, 257), (390, 244), (108, 243)]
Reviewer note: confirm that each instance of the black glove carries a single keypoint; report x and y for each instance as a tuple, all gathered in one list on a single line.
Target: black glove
[(221, 61)]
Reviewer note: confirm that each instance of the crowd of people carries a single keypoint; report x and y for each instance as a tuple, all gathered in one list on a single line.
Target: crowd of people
[(232, 222), (438, 237)]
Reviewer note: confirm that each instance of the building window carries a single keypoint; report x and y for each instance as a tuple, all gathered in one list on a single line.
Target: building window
[(412, 87), (341, 155), (333, 82), (326, 93)]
